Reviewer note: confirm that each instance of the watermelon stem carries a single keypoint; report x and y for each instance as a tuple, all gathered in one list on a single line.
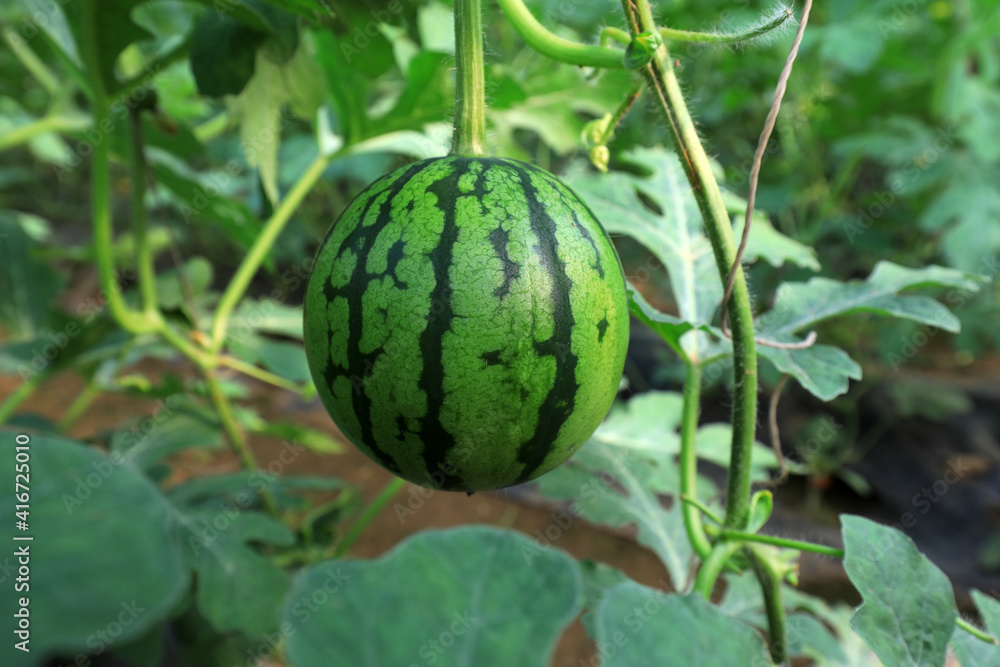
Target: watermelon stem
[(662, 81), (693, 522), (470, 89), (237, 439), (559, 48)]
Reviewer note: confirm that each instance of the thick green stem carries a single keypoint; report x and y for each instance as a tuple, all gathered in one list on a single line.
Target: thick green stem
[(770, 582), (100, 180), (18, 396), (689, 462), (470, 87), (663, 84), (554, 46), (235, 435), (388, 492), (738, 535), (143, 253), (261, 246), (667, 95), (710, 570)]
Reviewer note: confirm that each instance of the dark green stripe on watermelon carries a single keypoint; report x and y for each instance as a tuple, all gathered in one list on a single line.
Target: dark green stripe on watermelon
[(466, 322)]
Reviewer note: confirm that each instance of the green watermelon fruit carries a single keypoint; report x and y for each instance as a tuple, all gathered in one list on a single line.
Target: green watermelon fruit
[(466, 322)]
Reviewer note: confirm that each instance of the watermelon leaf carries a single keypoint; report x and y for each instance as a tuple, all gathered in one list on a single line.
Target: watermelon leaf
[(198, 196), (27, 286), (84, 508), (239, 589), (637, 626), (972, 651), (114, 32), (277, 81), (800, 306), (468, 596), (824, 370), (908, 614), (175, 426)]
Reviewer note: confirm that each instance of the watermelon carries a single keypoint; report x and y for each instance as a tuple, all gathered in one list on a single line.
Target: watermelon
[(466, 322)]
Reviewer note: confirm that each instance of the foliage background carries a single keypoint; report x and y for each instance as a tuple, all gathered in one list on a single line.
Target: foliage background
[(888, 148)]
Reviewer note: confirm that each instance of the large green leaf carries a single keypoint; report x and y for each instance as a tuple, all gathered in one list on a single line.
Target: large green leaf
[(799, 306), (104, 567), (639, 626), (200, 197), (908, 614), (825, 371), (111, 27), (28, 287), (173, 427), (972, 651), (468, 596), (276, 83), (225, 44), (239, 589)]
